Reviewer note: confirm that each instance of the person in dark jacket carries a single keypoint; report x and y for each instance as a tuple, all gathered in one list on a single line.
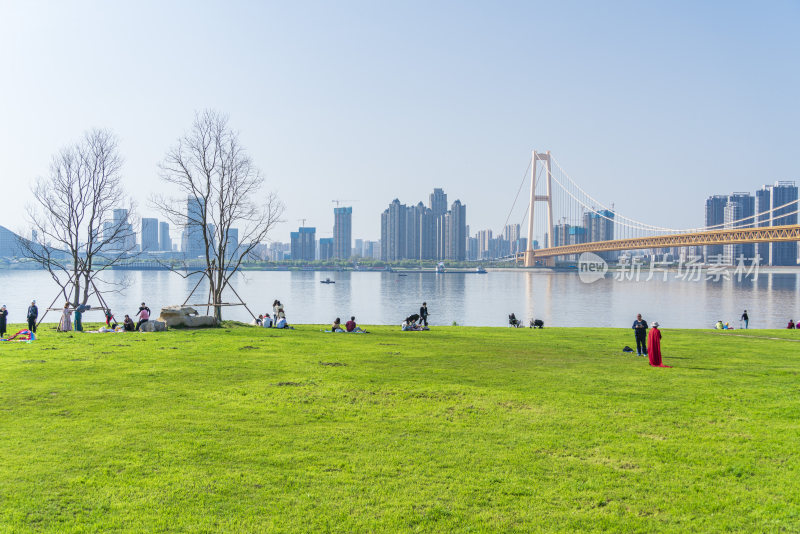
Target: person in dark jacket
[(746, 319), (640, 331), (3, 320), (33, 314), (423, 313)]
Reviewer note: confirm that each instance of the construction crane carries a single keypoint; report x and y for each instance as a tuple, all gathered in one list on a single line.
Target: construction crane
[(303, 221), (338, 201)]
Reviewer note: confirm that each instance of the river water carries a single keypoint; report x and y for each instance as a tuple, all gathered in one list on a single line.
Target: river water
[(558, 298)]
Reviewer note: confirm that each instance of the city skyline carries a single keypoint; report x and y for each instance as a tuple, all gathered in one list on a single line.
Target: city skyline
[(466, 126)]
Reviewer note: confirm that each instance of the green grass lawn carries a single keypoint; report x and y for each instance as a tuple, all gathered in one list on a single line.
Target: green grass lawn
[(458, 429)]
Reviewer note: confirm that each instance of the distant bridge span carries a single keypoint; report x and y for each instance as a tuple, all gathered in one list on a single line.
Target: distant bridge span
[(764, 234)]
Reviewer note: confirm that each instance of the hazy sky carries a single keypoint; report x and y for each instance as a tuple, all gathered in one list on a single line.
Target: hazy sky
[(652, 106)]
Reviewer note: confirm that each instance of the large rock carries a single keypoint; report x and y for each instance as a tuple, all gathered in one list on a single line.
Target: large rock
[(185, 316), (153, 326)]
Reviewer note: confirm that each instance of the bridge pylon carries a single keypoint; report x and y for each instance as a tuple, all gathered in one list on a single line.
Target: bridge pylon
[(536, 157)]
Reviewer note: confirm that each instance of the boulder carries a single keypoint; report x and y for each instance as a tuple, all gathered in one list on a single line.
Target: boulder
[(153, 326), (185, 316)]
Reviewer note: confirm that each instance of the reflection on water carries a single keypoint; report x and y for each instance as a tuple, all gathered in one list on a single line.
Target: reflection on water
[(560, 299)]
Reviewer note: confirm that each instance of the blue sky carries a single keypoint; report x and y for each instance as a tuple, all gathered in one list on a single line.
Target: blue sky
[(652, 106)]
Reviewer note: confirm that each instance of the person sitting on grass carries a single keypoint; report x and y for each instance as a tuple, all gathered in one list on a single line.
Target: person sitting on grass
[(410, 324), (791, 325), (281, 321), (266, 322), (128, 324), (337, 325), (258, 321), (351, 326), (719, 325)]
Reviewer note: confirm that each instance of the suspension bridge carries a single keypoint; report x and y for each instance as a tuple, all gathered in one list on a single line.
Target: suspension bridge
[(573, 222)]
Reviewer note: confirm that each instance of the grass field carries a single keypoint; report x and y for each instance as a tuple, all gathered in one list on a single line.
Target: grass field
[(458, 429)]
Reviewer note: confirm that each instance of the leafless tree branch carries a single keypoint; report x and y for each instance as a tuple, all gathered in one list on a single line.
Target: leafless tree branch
[(71, 217), (220, 191)]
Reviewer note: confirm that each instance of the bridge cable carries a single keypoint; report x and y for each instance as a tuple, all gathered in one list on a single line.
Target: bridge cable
[(513, 204)]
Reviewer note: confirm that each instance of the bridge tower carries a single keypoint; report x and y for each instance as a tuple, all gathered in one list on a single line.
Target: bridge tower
[(548, 198)]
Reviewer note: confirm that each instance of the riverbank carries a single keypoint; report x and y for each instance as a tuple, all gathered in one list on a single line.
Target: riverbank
[(249, 429)]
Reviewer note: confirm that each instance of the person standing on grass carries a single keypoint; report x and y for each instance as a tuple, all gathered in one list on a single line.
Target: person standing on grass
[(746, 319), (65, 324), (143, 314), (654, 341), (423, 313), (640, 331), (3, 320), (33, 314)]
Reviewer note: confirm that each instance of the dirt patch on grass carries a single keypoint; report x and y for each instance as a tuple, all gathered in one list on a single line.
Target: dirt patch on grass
[(333, 364), (281, 384), (34, 361), (248, 347)]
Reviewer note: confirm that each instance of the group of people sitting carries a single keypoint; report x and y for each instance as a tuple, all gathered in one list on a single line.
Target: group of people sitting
[(350, 326), (278, 319), (516, 323), (723, 326), (410, 323), (66, 323)]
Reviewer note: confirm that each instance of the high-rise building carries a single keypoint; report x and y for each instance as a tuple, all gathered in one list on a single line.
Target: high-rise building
[(304, 243), (393, 232), (715, 219), (599, 226), (739, 213), (485, 244), (511, 236), (342, 232), (195, 243), (326, 248), (472, 248), (456, 249), (119, 232), (164, 240), (149, 234), (775, 198), (437, 202), (424, 233), (232, 243)]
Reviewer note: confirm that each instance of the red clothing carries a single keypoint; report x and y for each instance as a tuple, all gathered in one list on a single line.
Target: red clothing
[(350, 326), (654, 347)]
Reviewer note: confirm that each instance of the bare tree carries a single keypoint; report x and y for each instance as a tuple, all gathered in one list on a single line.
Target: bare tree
[(75, 234), (222, 209)]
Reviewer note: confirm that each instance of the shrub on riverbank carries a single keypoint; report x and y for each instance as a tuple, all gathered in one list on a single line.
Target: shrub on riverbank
[(250, 429)]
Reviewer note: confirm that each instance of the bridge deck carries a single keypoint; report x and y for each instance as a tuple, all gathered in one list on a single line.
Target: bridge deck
[(765, 234)]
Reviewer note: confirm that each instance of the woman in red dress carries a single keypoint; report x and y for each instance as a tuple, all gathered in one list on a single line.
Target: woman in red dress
[(654, 346)]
